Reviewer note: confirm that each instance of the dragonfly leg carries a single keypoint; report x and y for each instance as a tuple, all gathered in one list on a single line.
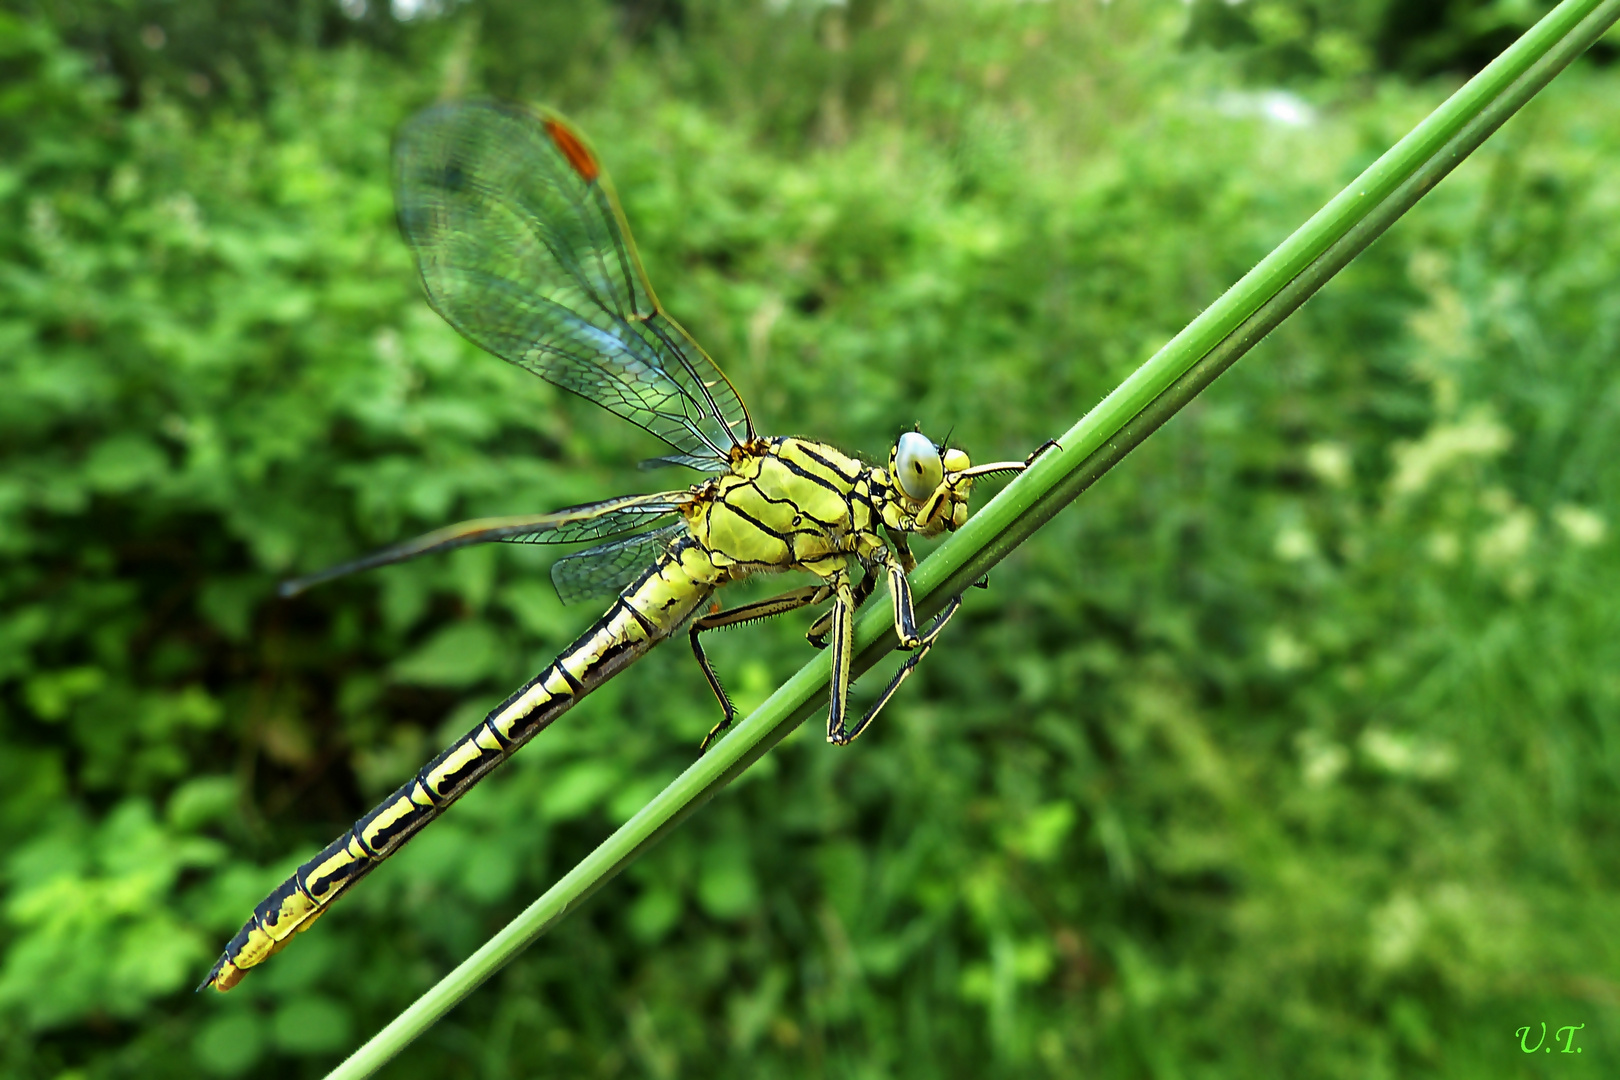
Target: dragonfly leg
[(817, 634), (1049, 444), (925, 643), (744, 613), (905, 616), (918, 643), (843, 636), (902, 551), (994, 467)]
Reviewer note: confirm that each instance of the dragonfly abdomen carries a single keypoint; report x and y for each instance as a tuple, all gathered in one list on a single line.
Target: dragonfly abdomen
[(651, 608)]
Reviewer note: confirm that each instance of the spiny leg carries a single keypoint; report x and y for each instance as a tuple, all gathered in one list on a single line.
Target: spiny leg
[(925, 642), (905, 616), (1049, 444), (744, 613), (991, 468), (905, 629), (817, 634), (843, 636)]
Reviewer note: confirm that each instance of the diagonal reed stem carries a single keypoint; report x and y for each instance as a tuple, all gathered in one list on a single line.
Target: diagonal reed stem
[(1176, 374)]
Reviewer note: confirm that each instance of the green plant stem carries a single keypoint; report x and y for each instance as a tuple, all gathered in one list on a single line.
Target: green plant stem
[(1209, 345)]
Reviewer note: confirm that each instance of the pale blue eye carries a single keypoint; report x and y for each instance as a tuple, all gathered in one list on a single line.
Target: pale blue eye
[(917, 466)]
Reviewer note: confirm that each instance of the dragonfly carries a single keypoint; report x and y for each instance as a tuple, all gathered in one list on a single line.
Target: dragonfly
[(522, 247)]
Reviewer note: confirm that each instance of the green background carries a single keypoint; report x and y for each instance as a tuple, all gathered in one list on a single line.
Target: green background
[(1291, 749)]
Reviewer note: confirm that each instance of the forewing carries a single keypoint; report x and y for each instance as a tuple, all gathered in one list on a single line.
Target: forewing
[(607, 568), (591, 521), (523, 249)]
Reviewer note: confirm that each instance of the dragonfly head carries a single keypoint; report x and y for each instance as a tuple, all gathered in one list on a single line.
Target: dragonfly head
[(930, 486)]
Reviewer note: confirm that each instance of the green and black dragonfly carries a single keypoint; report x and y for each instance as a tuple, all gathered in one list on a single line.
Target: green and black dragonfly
[(522, 247)]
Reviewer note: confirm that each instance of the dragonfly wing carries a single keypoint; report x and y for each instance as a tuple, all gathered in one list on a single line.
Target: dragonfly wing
[(607, 568), (684, 461), (598, 520), (591, 521), (523, 249)]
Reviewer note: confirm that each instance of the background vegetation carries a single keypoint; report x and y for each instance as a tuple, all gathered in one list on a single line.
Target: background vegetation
[(1291, 750)]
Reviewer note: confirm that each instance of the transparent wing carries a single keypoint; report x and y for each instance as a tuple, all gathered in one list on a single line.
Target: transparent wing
[(684, 461), (591, 521), (523, 249), (607, 568)]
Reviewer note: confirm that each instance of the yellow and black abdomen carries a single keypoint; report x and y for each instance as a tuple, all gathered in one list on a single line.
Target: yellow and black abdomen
[(651, 608)]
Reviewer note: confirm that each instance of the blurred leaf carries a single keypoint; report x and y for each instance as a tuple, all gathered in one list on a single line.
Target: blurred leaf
[(459, 655)]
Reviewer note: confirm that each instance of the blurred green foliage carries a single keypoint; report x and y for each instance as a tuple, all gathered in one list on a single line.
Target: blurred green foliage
[(1339, 38), (1290, 750)]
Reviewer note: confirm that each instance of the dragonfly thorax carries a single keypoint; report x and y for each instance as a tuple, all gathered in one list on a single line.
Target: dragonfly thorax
[(789, 504)]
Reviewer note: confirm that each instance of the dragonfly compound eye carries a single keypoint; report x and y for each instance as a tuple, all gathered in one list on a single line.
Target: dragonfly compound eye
[(917, 465)]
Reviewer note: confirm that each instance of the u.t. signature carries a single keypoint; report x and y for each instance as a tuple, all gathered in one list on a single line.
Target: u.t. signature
[(1569, 1042)]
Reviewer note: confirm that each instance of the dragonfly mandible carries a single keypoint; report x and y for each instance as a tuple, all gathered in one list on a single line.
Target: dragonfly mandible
[(523, 248)]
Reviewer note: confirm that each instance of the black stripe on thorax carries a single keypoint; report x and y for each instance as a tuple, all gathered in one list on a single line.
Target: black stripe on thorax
[(798, 508), (786, 538), (812, 477), (804, 448), (865, 499)]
